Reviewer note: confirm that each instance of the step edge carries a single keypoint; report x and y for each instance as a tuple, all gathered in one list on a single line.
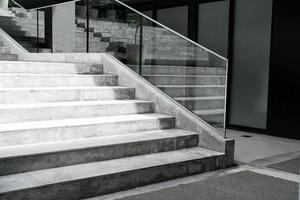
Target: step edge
[(119, 139), (39, 184)]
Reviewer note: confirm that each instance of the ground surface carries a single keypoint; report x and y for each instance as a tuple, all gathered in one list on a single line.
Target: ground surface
[(267, 169), (291, 166), (244, 185)]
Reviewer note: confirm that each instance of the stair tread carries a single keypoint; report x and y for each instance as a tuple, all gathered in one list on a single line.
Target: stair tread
[(20, 126), (86, 143), (189, 86), (183, 76), (179, 66), (62, 88), (58, 75), (70, 104), (209, 112), (199, 98), (10, 54), (41, 63), (41, 178)]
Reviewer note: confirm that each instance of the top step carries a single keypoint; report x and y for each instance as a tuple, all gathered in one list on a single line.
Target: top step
[(49, 68), (8, 56)]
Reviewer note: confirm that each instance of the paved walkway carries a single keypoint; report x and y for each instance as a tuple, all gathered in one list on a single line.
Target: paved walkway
[(267, 170)]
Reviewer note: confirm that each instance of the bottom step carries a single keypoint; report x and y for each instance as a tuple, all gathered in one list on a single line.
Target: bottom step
[(99, 178)]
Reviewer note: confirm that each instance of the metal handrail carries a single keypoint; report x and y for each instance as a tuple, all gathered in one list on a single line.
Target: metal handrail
[(171, 30)]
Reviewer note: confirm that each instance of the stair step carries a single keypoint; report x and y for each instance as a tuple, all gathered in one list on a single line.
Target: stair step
[(98, 178), (67, 129), (66, 110), (40, 50), (193, 90), (215, 116), (6, 13), (57, 94), (177, 62), (185, 79), (63, 80), (19, 33), (178, 70), (49, 68), (8, 56), (202, 103), (4, 50), (23, 158)]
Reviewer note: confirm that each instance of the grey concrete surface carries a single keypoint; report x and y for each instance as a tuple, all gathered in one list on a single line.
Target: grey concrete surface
[(291, 166), (244, 185), (259, 146)]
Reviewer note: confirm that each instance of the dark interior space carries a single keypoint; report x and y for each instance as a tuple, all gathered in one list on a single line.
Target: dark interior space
[(284, 112)]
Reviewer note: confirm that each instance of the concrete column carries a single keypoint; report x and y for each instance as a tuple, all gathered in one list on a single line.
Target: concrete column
[(4, 4), (63, 28)]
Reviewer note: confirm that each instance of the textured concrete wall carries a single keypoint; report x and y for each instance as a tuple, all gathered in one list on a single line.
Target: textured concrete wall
[(63, 28)]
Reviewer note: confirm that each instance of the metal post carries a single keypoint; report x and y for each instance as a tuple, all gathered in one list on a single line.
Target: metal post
[(37, 32), (87, 24), (225, 103), (141, 46)]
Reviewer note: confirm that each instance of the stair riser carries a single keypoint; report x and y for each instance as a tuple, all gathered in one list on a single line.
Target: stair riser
[(161, 59), (4, 50), (91, 50), (92, 45), (194, 92), (41, 50), (203, 104), (57, 81), (169, 70), (38, 68), (42, 96), (217, 118), (81, 39), (15, 33), (21, 21), (75, 132), (105, 184), (11, 26), (164, 80), (65, 112), (59, 159), (10, 57)]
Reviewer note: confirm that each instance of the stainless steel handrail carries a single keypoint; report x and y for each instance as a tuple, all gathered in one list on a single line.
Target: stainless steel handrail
[(171, 30)]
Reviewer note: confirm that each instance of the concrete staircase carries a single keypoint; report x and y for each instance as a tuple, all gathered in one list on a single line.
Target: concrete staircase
[(5, 53), (170, 62), (22, 27), (69, 131)]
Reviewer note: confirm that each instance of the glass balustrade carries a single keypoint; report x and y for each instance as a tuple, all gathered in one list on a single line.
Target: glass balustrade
[(189, 73)]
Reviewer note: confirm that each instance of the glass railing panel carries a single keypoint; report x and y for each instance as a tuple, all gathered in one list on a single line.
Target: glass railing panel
[(190, 74), (27, 27)]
